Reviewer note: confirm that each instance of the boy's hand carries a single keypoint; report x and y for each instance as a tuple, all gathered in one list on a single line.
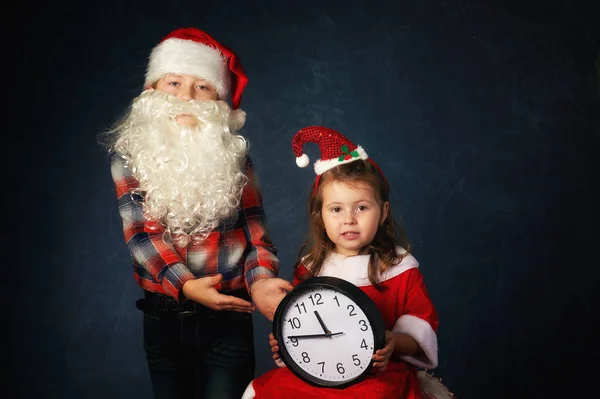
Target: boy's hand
[(267, 293), (203, 291), (382, 356)]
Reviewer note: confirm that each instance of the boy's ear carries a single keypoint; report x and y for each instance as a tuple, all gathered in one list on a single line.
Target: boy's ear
[(149, 88), (385, 208)]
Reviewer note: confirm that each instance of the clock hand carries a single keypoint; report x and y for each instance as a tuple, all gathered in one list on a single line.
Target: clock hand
[(322, 323), (314, 335)]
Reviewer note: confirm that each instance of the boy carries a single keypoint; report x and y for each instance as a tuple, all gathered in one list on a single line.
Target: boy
[(193, 219)]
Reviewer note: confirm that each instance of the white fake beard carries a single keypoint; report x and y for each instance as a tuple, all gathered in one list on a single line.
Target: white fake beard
[(190, 176)]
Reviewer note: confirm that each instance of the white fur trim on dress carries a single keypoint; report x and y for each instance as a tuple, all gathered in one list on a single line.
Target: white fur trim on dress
[(355, 269), (186, 57), (421, 331), (323, 166), (249, 393)]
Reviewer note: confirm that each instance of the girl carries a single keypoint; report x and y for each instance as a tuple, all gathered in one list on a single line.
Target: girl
[(354, 237)]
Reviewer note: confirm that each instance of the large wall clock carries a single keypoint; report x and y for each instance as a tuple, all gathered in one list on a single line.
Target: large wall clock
[(328, 330)]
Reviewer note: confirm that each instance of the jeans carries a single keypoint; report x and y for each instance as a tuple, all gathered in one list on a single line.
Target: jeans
[(208, 355)]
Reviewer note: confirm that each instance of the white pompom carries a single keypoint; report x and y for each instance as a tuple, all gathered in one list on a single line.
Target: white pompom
[(302, 161), (237, 119)]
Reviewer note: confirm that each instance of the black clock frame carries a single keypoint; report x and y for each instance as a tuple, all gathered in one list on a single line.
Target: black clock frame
[(351, 291)]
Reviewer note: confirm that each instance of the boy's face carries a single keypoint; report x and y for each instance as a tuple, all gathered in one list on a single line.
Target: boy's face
[(187, 87)]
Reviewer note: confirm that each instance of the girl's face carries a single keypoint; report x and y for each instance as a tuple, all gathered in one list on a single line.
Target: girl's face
[(351, 215)]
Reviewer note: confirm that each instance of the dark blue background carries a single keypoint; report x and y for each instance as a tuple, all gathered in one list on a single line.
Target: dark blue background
[(485, 117)]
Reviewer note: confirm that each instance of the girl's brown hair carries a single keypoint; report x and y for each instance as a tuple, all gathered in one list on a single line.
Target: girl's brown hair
[(390, 234)]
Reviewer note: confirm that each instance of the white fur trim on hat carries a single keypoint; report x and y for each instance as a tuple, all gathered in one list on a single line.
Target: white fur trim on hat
[(187, 57), (322, 166)]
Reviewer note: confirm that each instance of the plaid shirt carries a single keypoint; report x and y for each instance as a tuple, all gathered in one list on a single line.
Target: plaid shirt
[(239, 248)]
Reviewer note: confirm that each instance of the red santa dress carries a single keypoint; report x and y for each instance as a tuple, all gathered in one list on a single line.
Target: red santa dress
[(405, 307)]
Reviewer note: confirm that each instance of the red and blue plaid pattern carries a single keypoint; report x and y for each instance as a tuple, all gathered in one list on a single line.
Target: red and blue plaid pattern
[(239, 248)]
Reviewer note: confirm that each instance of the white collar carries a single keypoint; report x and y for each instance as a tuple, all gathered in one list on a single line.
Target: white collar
[(355, 269)]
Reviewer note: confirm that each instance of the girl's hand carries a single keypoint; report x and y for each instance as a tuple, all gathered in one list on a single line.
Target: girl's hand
[(382, 356), (274, 346), (275, 349)]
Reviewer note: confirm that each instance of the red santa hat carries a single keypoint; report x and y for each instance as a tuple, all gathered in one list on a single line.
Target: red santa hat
[(336, 149), (190, 51)]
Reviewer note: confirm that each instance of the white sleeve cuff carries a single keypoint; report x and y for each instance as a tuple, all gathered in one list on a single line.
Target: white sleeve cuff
[(421, 331)]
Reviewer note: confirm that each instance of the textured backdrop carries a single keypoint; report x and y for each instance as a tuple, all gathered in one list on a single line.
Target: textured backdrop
[(485, 117)]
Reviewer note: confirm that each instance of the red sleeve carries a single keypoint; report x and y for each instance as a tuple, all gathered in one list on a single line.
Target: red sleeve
[(301, 273), (417, 302), (261, 258), (419, 320)]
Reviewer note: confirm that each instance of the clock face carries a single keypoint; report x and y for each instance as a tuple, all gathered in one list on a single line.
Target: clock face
[(328, 330)]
